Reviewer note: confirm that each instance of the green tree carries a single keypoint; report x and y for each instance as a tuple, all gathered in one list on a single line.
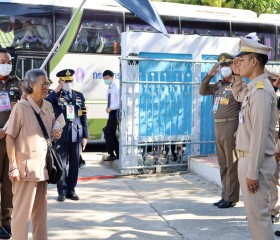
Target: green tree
[(260, 6)]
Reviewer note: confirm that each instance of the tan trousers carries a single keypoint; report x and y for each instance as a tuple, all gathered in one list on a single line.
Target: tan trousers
[(30, 200), (227, 158), (6, 186), (257, 205)]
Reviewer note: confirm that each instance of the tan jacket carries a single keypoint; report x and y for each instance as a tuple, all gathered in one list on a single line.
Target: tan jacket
[(30, 144), (257, 120)]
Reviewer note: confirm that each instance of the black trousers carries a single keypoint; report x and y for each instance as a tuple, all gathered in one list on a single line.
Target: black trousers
[(110, 135), (70, 155)]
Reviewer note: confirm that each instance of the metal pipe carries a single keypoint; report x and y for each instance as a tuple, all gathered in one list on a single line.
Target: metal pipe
[(155, 166), (56, 45), (167, 143)]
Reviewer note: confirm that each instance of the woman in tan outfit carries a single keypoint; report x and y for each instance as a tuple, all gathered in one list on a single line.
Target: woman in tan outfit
[(27, 148)]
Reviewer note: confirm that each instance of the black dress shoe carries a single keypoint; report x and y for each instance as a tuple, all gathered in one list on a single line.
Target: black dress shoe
[(226, 204), (8, 229), (219, 202), (61, 198), (277, 233), (73, 196), (82, 164), (110, 158), (4, 234)]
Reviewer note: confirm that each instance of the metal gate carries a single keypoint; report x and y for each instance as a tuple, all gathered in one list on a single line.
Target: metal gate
[(164, 120)]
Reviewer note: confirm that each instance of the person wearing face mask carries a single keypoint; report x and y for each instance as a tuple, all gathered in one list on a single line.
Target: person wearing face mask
[(113, 104), (11, 87), (71, 104), (225, 111)]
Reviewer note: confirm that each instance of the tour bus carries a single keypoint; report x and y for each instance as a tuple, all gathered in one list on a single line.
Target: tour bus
[(93, 42)]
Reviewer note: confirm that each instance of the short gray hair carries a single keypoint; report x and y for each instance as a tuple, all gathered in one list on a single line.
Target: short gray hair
[(31, 76)]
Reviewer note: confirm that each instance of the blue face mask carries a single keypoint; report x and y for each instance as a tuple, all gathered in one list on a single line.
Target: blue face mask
[(107, 81)]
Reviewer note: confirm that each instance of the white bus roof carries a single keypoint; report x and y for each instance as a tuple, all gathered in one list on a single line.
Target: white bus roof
[(186, 10), (163, 8), (270, 17)]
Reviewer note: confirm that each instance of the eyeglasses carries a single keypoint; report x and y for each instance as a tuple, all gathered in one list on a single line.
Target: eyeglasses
[(45, 85)]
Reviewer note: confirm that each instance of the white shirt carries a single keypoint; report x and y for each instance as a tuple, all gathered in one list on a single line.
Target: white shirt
[(114, 89)]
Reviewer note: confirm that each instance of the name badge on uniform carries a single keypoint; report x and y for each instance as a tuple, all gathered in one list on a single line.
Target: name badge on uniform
[(216, 104), (224, 101), (5, 103), (80, 112), (228, 89), (70, 112), (241, 118)]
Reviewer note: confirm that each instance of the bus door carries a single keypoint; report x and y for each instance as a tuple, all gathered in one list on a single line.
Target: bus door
[(24, 61)]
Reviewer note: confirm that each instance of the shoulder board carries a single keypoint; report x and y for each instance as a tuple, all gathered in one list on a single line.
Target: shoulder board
[(76, 91), (260, 85)]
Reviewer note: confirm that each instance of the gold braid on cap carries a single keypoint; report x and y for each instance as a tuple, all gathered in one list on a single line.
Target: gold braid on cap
[(224, 60), (248, 49)]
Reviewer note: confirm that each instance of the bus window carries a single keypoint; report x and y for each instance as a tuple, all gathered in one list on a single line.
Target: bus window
[(26, 63), (171, 24), (265, 32), (35, 34), (100, 32), (62, 18), (6, 33), (205, 28), (134, 24), (26, 28)]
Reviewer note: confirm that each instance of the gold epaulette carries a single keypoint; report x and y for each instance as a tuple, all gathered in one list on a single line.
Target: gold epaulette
[(260, 85), (84, 110)]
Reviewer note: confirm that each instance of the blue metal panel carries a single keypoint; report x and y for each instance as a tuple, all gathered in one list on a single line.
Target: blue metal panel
[(165, 109)]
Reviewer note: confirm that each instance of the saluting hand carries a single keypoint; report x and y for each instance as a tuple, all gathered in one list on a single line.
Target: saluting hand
[(236, 66), (277, 83), (213, 71), (59, 87)]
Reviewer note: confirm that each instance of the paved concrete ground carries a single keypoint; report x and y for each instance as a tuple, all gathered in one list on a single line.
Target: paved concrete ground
[(147, 208)]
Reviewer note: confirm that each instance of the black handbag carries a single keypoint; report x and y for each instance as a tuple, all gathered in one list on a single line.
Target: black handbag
[(53, 160)]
